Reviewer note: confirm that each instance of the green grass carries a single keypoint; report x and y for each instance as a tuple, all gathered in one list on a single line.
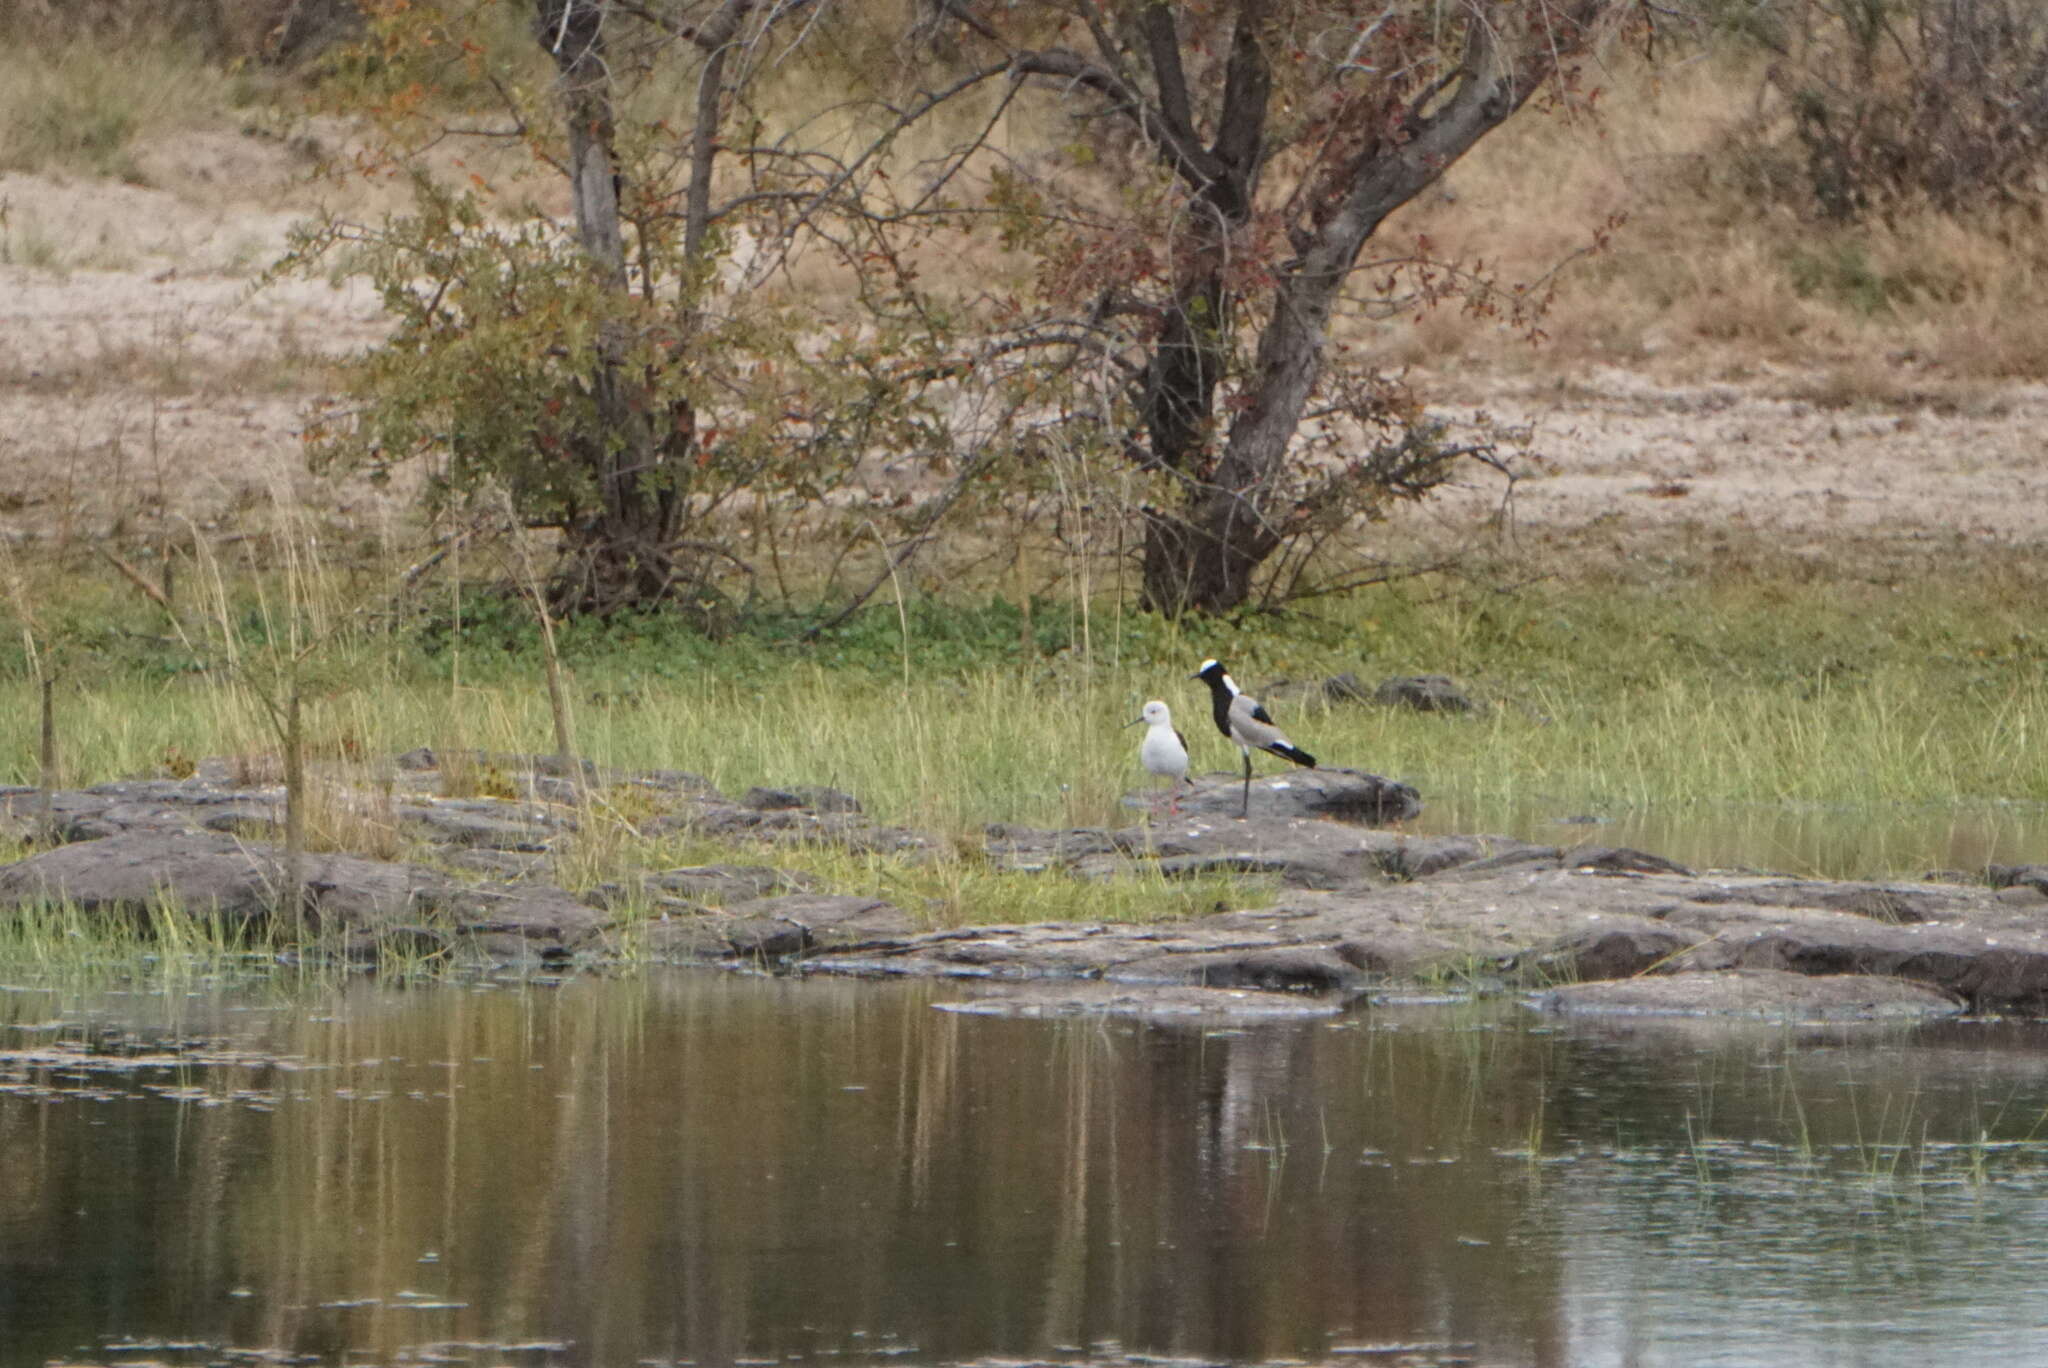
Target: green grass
[(60, 940), (1758, 695), (1599, 695), (954, 887), (168, 948)]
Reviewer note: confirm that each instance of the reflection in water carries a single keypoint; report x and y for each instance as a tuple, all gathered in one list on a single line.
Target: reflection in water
[(715, 1169)]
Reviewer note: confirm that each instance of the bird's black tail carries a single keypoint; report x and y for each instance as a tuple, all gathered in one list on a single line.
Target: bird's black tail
[(1294, 753)]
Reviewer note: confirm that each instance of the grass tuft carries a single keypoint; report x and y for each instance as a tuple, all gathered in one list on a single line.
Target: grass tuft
[(79, 108)]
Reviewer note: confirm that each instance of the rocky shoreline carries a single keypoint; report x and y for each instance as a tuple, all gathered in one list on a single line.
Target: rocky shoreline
[(1361, 910)]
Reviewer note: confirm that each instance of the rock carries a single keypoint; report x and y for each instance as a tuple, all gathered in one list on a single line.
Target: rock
[(1423, 693), (725, 883), (1151, 1003), (702, 887), (1357, 906), (1347, 795), (1296, 868), (1880, 902), (1761, 993), (68, 828), (797, 825), (679, 939), (500, 864), (762, 939), (1047, 950), (128, 874), (549, 764), (1419, 857), (1503, 854), (236, 882), (1521, 919), (1339, 688), (830, 918), (761, 930), (675, 781), (144, 804), (806, 799), (513, 924), (488, 823), (2021, 876), (1271, 969), (1621, 860), (1617, 951), (1301, 852), (263, 821), (1994, 957), (1033, 851)]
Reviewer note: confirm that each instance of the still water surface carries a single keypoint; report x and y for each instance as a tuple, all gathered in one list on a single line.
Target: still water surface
[(720, 1170)]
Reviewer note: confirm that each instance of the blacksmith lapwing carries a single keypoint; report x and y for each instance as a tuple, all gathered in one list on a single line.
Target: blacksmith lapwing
[(1244, 720)]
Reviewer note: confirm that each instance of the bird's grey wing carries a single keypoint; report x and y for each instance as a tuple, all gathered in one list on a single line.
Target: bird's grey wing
[(1250, 722)]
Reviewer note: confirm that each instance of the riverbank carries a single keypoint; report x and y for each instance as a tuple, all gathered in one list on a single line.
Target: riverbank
[(1296, 901)]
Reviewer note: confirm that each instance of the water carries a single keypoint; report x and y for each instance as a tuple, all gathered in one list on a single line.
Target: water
[(720, 1170)]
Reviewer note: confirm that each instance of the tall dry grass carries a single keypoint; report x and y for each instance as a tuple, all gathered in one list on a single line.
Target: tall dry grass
[(1706, 272)]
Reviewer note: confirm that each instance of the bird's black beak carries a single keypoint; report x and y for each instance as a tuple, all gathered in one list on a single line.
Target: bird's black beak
[(1134, 722)]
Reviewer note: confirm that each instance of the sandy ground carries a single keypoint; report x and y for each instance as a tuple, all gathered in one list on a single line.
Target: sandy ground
[(147, 384), (1646, 461)]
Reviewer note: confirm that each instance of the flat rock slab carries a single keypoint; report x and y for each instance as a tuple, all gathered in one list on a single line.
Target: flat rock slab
[(770, 929), (1300, 852), (486, 823), (134, 874), (1346, 795), (1155, 1004), (1555, 920), (724, 883), (1770, 994), (1358, 908)]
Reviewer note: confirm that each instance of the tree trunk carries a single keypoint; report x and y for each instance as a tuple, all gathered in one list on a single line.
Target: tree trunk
[(1203, 556), (1177, 404), (618, 554)]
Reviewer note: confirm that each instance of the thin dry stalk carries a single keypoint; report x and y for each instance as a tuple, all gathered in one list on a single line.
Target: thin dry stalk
[(551, 660), (135, 577), (49, 756), (295, 812)]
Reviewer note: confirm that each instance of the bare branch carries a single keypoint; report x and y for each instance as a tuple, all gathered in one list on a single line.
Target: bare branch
[(1162, 44), (1247, 85), (712, 35), (1187, 158)]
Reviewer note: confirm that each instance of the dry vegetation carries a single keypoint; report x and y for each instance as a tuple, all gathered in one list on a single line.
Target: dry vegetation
[(1778, 420), (1724, 362), (1706, 279)]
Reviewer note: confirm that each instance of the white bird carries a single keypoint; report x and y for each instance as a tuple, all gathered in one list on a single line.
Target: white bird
[(1243, 720), (1164, 751)]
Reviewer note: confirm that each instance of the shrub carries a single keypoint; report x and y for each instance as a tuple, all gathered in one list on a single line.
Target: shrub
[(1945, 100)]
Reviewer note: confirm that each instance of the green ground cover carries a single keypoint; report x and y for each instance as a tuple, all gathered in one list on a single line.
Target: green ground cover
[(951, 714)]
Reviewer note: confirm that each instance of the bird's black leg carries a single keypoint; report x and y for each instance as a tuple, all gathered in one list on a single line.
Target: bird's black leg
[(1244, 809)]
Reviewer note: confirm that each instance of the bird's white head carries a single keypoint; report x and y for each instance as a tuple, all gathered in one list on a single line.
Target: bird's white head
[(1215, 676), (1156, 714)]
